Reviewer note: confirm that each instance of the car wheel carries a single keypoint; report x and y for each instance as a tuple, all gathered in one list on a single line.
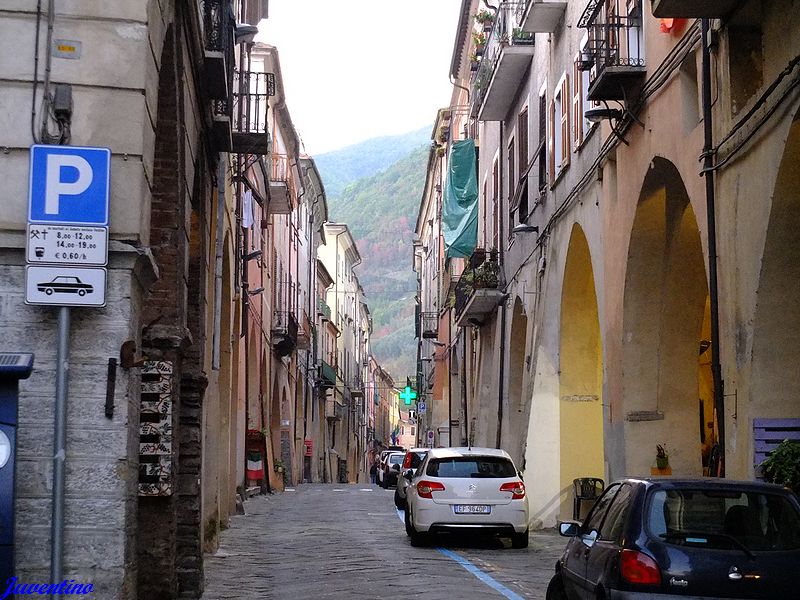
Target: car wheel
[(49, 291), (407, 521), (81, 292), (519, 540), (398, 501), (555, 590), (418, 538)]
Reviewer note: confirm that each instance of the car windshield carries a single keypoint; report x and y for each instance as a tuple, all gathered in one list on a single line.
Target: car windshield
[(717, 518), (417, 458), (471, 466)]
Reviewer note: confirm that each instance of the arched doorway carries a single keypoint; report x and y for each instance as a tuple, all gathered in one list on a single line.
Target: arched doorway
[(666, 376), (775, 376), (581, 372), (518, 400)]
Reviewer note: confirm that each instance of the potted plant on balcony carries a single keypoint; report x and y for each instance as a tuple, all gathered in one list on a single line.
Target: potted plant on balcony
[(521, 37), (487, 275), (479, 41), (474, 62), (485, 18)]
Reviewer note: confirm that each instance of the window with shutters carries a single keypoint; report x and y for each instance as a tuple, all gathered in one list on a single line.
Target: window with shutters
[(541, 147), (559, 140), (495, 204), (484, 213), (512, 187), (512, 176)]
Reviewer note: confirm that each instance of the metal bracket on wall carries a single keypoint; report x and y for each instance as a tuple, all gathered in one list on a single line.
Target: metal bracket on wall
[(111, 383)]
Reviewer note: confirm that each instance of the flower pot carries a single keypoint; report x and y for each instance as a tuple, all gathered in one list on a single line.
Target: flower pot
[(662, 462)]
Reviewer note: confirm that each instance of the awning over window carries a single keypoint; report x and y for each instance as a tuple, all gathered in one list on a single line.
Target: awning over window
[(460, 205)]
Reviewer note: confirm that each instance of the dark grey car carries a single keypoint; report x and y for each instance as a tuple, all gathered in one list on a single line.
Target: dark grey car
[(681, 539)]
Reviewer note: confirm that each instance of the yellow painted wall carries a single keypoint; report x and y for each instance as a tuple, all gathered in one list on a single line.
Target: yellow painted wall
[(581, 409)]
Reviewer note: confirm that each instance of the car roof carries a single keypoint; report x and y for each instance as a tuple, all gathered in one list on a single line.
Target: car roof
[(472, 451), (703, 482)]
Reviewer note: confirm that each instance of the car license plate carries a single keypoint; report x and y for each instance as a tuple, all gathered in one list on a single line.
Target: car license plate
[(472, 509)]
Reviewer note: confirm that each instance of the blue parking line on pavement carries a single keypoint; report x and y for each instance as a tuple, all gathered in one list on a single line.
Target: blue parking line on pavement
[(484, 577)]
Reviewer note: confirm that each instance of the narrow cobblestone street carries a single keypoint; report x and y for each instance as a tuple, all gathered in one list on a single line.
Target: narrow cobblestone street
[(347, 541)]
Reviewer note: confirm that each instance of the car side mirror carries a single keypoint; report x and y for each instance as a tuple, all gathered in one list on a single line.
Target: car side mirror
[(409, 474), (569, 528)]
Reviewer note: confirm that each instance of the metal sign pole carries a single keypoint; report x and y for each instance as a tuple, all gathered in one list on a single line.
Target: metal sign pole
[(59, 435)]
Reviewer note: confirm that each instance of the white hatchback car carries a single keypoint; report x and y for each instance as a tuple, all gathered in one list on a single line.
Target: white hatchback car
[(475, 490)]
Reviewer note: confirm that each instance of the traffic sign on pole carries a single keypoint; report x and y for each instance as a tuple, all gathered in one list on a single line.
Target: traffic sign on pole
[(65, 286), (69, 185), (67, 244)]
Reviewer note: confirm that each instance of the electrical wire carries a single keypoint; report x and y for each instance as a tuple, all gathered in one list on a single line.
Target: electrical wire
[(36, 71)]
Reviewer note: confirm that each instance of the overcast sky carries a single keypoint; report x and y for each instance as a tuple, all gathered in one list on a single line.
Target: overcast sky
[(356, 69)]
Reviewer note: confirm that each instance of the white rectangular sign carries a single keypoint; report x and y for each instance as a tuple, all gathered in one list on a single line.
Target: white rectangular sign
[(65, 286), (67, 244)]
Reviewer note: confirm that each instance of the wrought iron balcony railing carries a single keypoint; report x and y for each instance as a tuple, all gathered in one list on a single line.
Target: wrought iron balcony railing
[(284, 332), (429, 324), (252, 91), (218, 36), (615, 50)]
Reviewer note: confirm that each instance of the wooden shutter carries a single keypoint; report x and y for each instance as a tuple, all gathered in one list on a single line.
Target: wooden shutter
[(577, 104), (522, 141), (512, 178), (551, 142), (565, 110)]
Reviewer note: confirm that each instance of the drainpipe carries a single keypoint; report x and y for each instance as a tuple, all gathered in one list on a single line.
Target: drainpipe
[(708, 164), (464, 385), (501, 241)]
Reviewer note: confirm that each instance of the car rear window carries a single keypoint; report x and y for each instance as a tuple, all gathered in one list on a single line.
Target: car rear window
[(724, 519), (395, 459), (471, 466)]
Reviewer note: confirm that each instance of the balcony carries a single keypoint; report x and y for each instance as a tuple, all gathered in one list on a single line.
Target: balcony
[(284, 333), (429, 324), (334, 411), (357, 387), (218, 35), (323, 310), (250, 103), (541, 16), (505, 59), (693, 9), (304, 332), (476, 293), (280, 186), (327, 373), (615, 51)]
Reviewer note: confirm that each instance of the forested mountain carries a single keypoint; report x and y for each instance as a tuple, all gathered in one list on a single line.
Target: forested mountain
[(381, 210), (342, 167)]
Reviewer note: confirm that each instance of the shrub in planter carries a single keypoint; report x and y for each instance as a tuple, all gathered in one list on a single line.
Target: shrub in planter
[(782, 466)]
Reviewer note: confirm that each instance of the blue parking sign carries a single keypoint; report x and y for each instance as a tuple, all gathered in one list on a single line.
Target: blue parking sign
[(69, 185)]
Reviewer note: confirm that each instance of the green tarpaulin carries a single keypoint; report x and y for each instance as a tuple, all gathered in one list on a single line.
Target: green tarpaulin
[(460, 205)]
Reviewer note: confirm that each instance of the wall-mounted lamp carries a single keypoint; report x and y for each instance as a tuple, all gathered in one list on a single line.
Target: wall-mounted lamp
[(253, 254), (258, 290), (522, 228), (595, 115), (245, 34)]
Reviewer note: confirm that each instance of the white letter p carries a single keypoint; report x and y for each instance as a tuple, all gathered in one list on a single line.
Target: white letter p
[(55, 188)]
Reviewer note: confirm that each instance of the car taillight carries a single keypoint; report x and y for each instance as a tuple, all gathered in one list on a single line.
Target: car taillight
[(407, 461), (426, 488), (636, 567), (517, 488)]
